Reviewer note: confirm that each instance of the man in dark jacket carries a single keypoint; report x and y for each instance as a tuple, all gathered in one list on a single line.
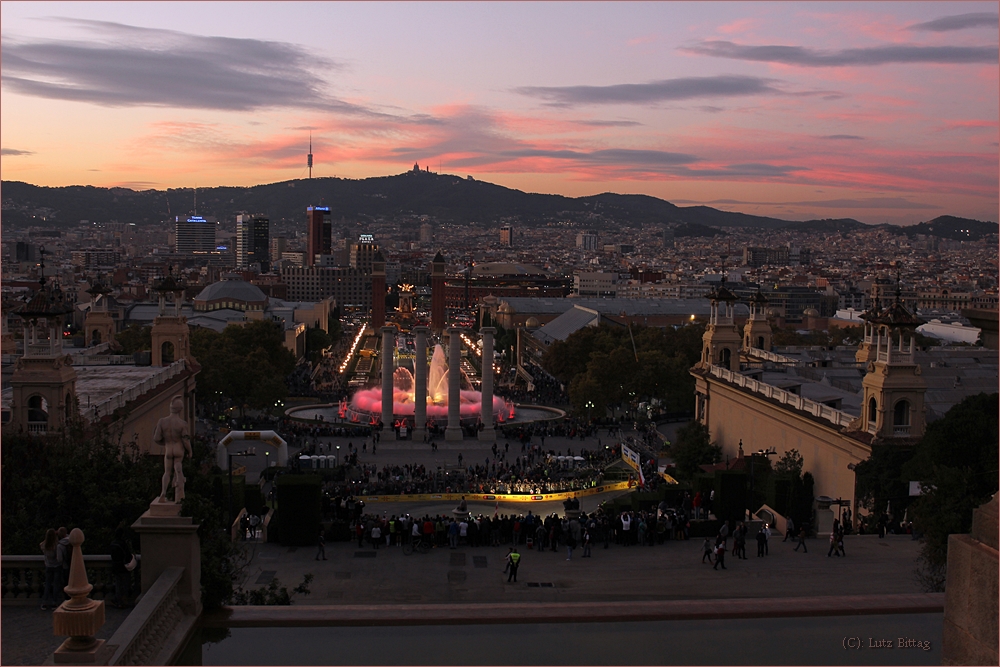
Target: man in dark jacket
[(121, 556)]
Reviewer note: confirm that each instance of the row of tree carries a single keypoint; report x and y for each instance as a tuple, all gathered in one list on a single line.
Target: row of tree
[(611, 366)]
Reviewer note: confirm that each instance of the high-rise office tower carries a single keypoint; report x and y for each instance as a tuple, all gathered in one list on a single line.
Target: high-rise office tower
[(193, 234), (253, 239), (362, 253), (320, 232), (507, 235), (426, 234)]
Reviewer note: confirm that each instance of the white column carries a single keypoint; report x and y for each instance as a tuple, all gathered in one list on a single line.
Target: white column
[(488, 434), (388, 343), (420, 384), (454, 430)]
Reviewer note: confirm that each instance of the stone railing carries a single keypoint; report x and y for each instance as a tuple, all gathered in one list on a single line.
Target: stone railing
[(22, 578), (119, 400), (767, 355), (832, 415), (103, 359), (155, 632)]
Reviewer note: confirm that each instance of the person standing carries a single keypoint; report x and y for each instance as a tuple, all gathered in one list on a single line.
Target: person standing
[(121, 556), (254, 523), (761, 540), (507, 560), (586, 543), (53, 570), (321, 543), (515, 561), (64, 553), (767, 537), (376, 534)]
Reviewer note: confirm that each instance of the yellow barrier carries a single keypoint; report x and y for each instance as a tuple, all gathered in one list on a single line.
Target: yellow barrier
[(506, 497)]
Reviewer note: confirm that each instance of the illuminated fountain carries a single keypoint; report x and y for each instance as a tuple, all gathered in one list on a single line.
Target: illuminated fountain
[(366, 404)]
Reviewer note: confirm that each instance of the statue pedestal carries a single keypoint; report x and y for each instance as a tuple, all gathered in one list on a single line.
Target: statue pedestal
[(453, 433), (170, 540), (488, 435)]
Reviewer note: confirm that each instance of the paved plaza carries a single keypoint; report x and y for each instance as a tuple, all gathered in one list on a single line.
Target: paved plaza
[(672, 571)]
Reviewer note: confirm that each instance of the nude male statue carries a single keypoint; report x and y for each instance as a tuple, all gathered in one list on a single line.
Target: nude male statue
[(173, 433)]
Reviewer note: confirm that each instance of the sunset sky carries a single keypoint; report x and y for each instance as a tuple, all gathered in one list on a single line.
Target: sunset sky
[(876, 111)]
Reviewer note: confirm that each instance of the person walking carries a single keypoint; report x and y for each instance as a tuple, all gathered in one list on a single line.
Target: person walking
[(586, 543), (720, 555), (833, 544), (321, 544), (570, 545), (789, 530), (767, 537), (707, 549), (802, 541), (53, 570), (515, 561)]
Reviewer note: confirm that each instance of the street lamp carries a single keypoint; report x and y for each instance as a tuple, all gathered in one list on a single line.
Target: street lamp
[(589, 405), (338, 454), (232, 455)]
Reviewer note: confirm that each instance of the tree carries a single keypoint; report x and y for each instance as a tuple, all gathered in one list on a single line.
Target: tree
[(317, 340), (694, 448), (87, 480), (791, 462), (957, 464), (135, 338), (879, 482), (246, 365)]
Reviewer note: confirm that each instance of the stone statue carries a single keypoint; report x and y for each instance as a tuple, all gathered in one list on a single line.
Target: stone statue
[(173, 433)]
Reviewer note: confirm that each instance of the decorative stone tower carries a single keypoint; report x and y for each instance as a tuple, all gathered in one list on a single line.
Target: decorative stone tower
[(378, 290), (437, 294), (43, 382), (757, 332), (98, 326), (893, 406), (721, 346), (170, 333), (866, 349)]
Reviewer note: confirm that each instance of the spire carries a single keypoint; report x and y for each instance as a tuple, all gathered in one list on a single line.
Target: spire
[(309, 161)]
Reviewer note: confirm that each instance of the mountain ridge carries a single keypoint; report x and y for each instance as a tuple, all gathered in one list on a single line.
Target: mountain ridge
[(446, 197)]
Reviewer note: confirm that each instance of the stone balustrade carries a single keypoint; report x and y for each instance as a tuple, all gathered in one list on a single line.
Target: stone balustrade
[(767, 355), (120, 399), (156, 630), (22, 578), (832, 415), (103, 359)]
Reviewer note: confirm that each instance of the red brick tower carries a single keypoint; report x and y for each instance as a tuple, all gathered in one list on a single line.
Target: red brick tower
[(378, 291), (437, 293)]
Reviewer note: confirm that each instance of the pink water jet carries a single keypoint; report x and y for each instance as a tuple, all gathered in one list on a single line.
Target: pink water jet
[(368, 402)]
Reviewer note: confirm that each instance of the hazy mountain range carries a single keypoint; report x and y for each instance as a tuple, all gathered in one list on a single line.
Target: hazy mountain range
[(445, 197)]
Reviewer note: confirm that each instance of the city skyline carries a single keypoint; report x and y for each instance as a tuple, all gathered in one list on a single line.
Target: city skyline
[(884, 112)]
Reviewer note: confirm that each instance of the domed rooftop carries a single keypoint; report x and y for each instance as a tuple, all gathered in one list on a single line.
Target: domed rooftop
[(531, 322), (810, 312), (232, 289)]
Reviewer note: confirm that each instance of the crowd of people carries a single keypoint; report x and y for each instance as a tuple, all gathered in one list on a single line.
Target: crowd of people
[(550, 533)]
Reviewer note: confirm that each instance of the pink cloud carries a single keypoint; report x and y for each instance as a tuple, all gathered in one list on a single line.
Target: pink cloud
[(739, 26)]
